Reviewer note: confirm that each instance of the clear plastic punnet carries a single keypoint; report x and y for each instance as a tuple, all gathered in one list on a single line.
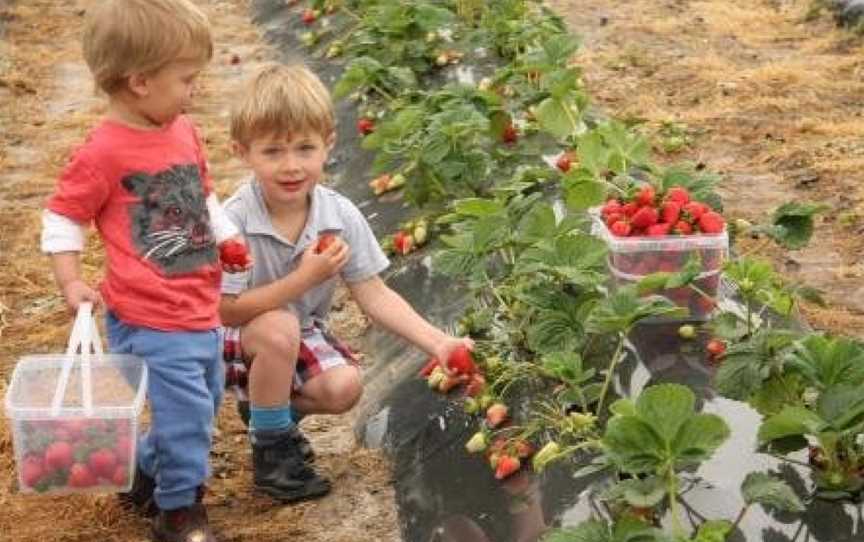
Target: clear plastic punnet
[(74, 416), (632, 258)]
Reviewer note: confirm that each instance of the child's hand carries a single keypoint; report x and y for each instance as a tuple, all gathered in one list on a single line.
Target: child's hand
[(234, 255), (446, 348), (77, 291), (320, 266)]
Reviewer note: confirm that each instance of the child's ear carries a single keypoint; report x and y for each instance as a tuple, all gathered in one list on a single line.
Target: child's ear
[(330, 141), (138, 84), (239, 150)]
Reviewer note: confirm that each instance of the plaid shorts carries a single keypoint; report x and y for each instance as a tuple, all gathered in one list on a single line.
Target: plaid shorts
[(319, 352)]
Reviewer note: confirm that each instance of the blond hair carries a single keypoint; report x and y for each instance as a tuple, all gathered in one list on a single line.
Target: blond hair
[(282, 100), (123, 37)]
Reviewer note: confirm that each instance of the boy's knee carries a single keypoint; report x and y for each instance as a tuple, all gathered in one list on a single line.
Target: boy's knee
[(340, 395), (273, 332)]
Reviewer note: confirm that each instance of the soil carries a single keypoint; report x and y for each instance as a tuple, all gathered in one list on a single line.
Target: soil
[(766, 96), (46, 106)]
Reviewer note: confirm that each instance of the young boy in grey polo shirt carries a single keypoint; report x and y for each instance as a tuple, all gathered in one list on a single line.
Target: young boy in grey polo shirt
[(275, 341)]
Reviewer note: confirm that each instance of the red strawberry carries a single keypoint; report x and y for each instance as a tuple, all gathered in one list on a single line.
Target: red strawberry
[(32, 470), (509, 135), (715, 348), (564, 162), (670, 212), (645, 217), (324, 242), (506, 466), (711, 222), (120, 477), (365, 125), (523, 448), (402, 242), (103, 463), (695, 209), (611, 206), (645, 196), (429, 367), (81, 476), (308, 16), (233, 252), (612, 218), (683, 227), (620, 229), (496, 414), (658, 230), (123, 449), (58, 455), (460, 361), (678, 194), (629, 209)]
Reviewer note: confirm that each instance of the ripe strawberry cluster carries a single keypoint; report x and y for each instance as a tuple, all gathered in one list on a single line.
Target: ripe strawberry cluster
[(75, 453), (653, 215)]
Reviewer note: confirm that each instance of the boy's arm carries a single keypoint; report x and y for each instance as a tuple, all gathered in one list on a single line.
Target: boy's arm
[(237, 309), (63, 239), (390, 310)]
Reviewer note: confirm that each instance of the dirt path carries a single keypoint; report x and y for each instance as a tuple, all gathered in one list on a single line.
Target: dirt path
[(768, 99), (46, 106)]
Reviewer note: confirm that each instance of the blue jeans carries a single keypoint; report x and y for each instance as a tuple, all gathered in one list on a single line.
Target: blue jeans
[(185, 386)]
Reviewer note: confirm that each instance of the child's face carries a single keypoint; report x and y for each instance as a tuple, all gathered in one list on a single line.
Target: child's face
[(165, 94), (288, 167)]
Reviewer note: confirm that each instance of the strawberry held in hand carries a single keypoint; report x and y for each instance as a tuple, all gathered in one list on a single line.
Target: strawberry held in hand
[(460, 361), (234, 253), (324, 242)]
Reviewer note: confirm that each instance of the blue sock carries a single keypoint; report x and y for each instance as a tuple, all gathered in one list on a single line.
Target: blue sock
[(270, 418), (296, 415)]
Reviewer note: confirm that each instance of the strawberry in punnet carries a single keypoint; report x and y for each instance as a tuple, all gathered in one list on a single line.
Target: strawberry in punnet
[(613, 218), (32, 470), (103, 463), (630, 208), (496, 414), (123, 449), (679, 195), (233, 252), (645, 196), (120, 477), (507, 465), (80, 476), (612, 206), (645, 217), (365, 126), (683, 227), (58, 455), (670, 212), (509, 135), (620, 229), (658, 230), (402, 242), (564, 162), (460, 361), (711, 222), (695, 209)]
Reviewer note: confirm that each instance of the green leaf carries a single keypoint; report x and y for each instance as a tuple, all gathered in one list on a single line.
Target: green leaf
[(666, 408), (713, 531), (793, 223), (537, 223), (555, 118), (643, 493), (633, 445), (842, 405), (700, 436), (791, 421), (555, 330), (770, 491), (582, 190), (592, 530), (738, 377), (478, 207), (623, 407), (593, 153), (826, 361)]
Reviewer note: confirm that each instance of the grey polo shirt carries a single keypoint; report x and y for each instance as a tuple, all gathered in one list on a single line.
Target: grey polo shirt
[(275, 256)]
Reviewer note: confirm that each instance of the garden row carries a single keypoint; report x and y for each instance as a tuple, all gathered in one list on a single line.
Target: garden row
[(566, 233)]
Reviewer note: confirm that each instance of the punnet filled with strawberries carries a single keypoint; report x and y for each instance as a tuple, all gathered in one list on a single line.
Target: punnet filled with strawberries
[(650, 231), (74, 416)]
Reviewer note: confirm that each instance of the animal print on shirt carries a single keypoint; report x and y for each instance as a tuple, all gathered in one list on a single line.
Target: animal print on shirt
[(170, 223)]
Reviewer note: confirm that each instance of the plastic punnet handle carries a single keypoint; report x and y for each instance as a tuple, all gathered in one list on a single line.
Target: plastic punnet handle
[(83, 322), (94, 342)]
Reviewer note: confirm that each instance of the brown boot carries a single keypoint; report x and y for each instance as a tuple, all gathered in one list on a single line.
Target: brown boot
[(186, 524)]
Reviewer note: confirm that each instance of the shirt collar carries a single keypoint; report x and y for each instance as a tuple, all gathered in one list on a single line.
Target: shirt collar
[(322, 216)]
